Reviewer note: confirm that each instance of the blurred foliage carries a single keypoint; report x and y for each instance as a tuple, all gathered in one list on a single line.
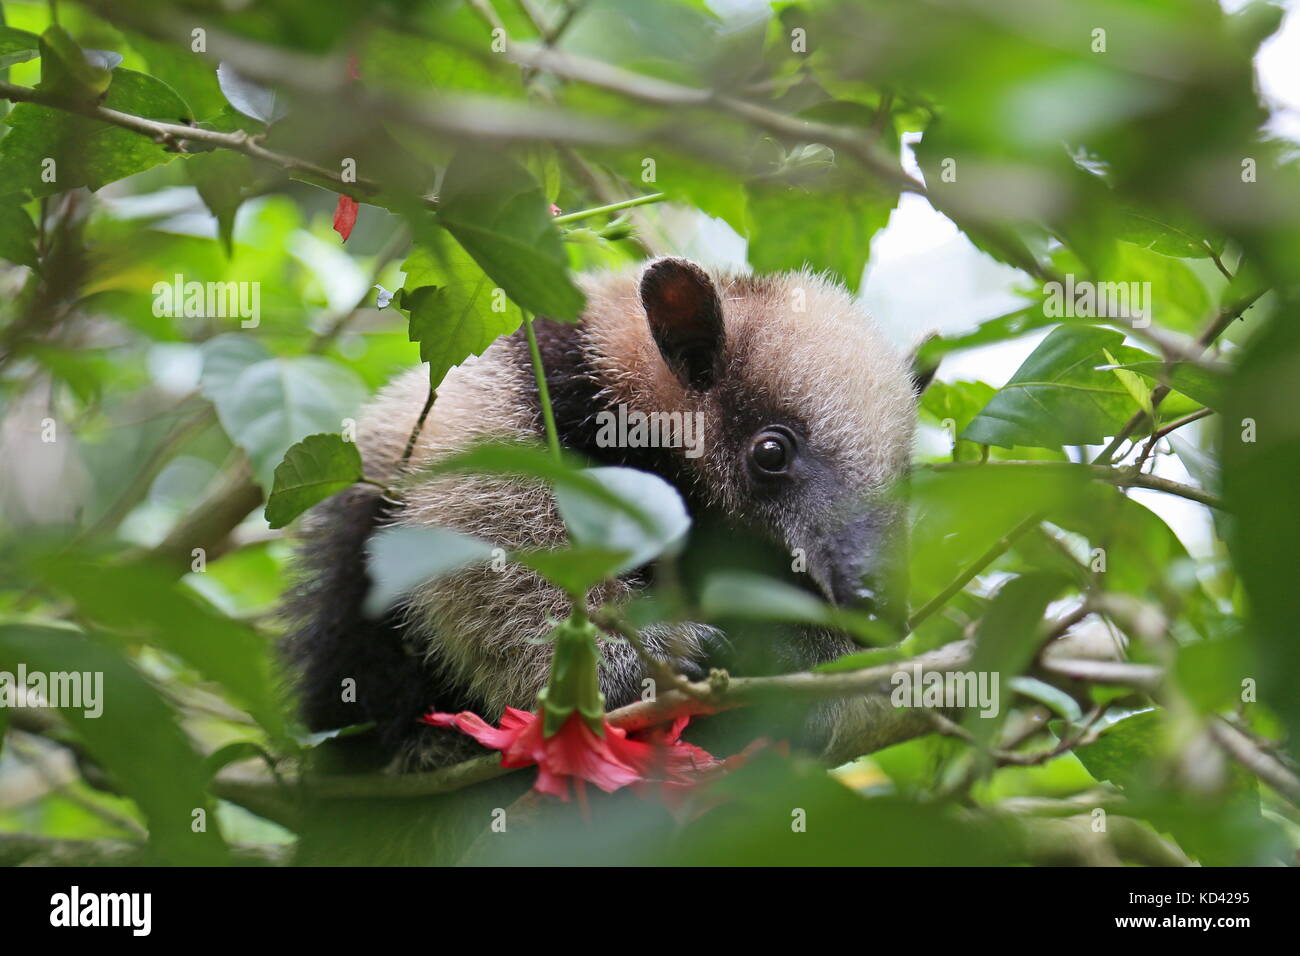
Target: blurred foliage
[(141, 429)]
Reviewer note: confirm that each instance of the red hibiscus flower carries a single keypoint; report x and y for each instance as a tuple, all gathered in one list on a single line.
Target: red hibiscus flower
[(576, 752)]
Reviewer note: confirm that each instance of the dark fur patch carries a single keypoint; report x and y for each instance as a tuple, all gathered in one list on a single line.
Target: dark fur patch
[(331, 640), (577, 397)]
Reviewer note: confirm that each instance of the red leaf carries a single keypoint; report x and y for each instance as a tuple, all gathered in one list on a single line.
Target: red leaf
[(345, 216)]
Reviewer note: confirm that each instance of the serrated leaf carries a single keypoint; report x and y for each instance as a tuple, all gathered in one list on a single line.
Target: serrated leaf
[(17, 235), (85, 151), (312, 470), (450, 302), (499, 215), (791, 228)]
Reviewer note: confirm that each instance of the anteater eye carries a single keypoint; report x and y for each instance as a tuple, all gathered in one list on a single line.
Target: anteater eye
[(772, 451)]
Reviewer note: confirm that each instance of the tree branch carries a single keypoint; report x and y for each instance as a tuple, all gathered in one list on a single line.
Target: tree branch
[(885, 726), (1129, 477), (176, 134), (1268, 768)]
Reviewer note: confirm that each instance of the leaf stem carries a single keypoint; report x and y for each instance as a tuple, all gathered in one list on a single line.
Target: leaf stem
[(419, 424), (612, 207), (543, 393), (954, 587)]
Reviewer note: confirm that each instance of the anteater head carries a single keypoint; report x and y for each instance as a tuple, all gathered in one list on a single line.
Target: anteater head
[(806, 412)]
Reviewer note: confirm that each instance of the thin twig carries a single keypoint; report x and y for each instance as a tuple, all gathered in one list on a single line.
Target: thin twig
[(1220, 322), (967, 574), (1162, 432)]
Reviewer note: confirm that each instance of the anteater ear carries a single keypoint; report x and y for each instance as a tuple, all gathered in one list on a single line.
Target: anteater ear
[(685, 319), (924, 367)]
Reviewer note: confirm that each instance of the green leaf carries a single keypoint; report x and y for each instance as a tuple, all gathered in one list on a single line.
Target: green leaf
[(236, 752), (1201, 465), (862, 660), (144, 602), (267, 405), (403, 558), (1167, 232), (749, 596), (573, 570), (85, 151), (594, 523), (225, 178), (1053, 697), (1009, 326), (227, 357), (498, 213), (450, 301), (17, 235), (1260, 446), (312, 470), (17, 46), (791, 228), (1009, 636), (1122, 750), (191, 75), (1176, 297), (1197, 382), (961, 514), (136, 737), (65, 69), (533, 461), (1132, 384), (1058, 396), (1139, 548)]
